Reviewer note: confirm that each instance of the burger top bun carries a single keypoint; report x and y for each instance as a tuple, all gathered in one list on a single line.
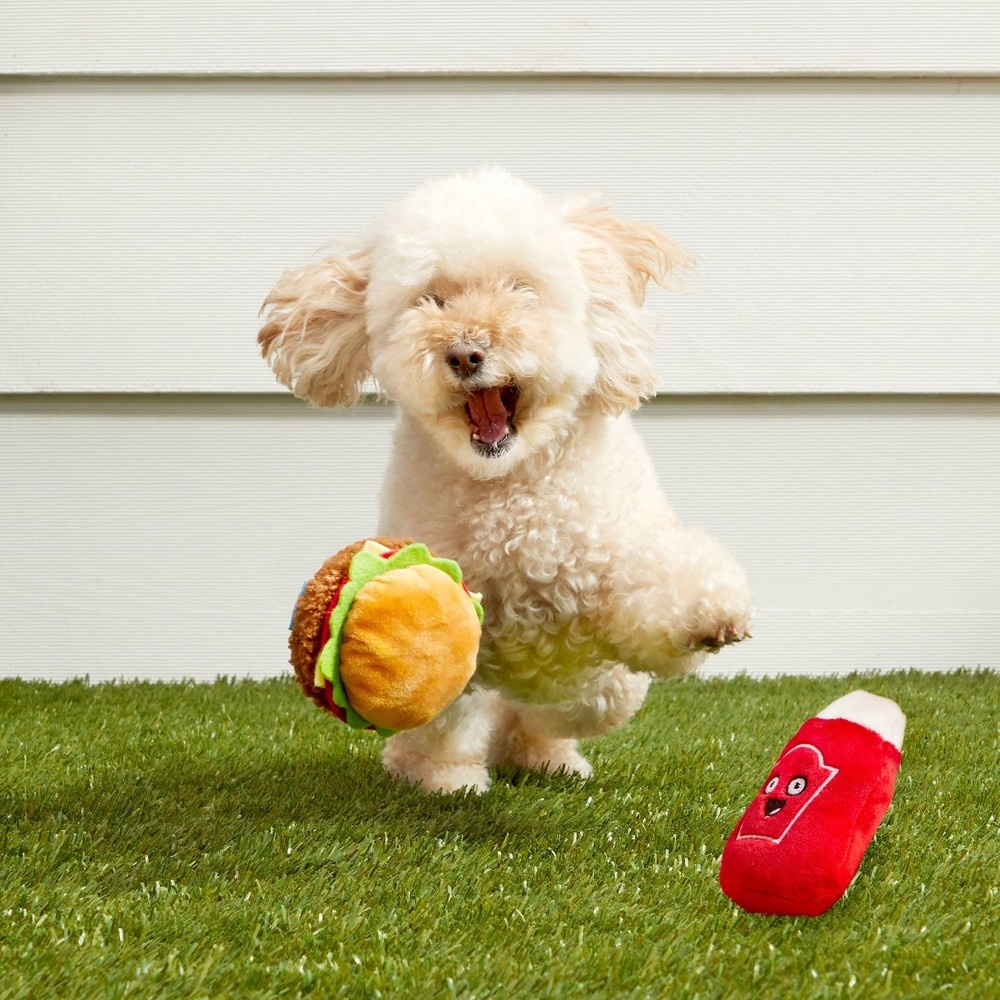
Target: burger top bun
[(385, 635)]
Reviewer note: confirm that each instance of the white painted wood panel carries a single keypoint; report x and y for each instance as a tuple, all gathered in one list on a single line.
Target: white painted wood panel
[(849, 231), (167, 537), (516, 36)]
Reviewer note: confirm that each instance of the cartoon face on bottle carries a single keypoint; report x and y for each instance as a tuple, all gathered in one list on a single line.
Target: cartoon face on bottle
[(794, 782)]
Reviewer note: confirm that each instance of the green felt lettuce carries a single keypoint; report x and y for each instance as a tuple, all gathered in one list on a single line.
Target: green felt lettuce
[(365, 566)]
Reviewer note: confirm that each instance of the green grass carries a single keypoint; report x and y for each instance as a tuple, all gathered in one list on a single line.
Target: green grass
[(231, 840)]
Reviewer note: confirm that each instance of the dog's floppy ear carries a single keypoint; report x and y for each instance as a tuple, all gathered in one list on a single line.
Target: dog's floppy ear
[(619, 258), (314, 334)]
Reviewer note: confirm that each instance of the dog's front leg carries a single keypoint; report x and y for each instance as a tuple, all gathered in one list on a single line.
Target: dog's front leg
[(682, 596), (450, 753)]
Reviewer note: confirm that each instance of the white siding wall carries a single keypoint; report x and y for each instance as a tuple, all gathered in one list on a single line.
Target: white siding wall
[(831, 389)]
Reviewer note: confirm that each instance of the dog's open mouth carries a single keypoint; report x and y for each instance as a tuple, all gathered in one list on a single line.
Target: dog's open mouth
[(491, 417)]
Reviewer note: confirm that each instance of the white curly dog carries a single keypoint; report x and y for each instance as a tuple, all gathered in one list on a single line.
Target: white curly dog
[(509, 331)]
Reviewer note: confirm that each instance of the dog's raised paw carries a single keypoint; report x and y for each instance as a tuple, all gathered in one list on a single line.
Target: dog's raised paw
[(728, 635), (711, 637)]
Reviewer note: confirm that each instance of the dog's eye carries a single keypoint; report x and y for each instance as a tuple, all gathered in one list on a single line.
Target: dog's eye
[(521, 286), (436, 299)]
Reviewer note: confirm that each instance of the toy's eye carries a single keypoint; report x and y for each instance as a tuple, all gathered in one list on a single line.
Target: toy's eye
[(772, 784), (796, 786)]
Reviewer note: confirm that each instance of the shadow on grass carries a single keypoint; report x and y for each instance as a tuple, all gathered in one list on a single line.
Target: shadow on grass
[(188, 806)]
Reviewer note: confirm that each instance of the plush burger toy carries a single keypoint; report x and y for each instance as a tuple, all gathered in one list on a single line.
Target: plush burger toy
[(385, 636)]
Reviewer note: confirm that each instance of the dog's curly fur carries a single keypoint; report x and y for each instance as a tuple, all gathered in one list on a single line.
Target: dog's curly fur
[(509, 331)]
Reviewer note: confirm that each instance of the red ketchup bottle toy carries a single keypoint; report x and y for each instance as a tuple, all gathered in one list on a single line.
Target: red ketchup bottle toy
[(801, 840)]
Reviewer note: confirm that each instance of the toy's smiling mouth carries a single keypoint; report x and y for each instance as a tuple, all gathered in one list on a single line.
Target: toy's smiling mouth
[(491, 418), (774, 806)]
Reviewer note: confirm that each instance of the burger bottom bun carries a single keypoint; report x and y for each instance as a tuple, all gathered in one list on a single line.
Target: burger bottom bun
[(409, 646)]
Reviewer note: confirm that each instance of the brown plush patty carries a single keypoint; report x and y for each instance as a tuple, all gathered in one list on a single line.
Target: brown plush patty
[(310, 611)]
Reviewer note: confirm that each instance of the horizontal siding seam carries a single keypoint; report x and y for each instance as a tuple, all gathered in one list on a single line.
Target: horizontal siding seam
[(789, 74), (14, 397)]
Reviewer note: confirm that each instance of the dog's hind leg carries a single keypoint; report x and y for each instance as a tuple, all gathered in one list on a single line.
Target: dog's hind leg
[(543, 737), (450, 753)]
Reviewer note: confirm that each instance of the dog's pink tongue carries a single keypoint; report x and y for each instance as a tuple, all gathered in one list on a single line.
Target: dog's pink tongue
[(489, 415)]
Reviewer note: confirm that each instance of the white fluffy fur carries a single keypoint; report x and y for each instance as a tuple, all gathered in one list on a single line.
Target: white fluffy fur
[(590, 582)]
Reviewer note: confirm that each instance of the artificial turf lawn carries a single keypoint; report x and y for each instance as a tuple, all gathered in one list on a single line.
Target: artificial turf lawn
[(232, 840)]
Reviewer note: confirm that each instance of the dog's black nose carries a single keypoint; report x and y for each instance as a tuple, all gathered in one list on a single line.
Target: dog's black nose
[(465, 359)]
